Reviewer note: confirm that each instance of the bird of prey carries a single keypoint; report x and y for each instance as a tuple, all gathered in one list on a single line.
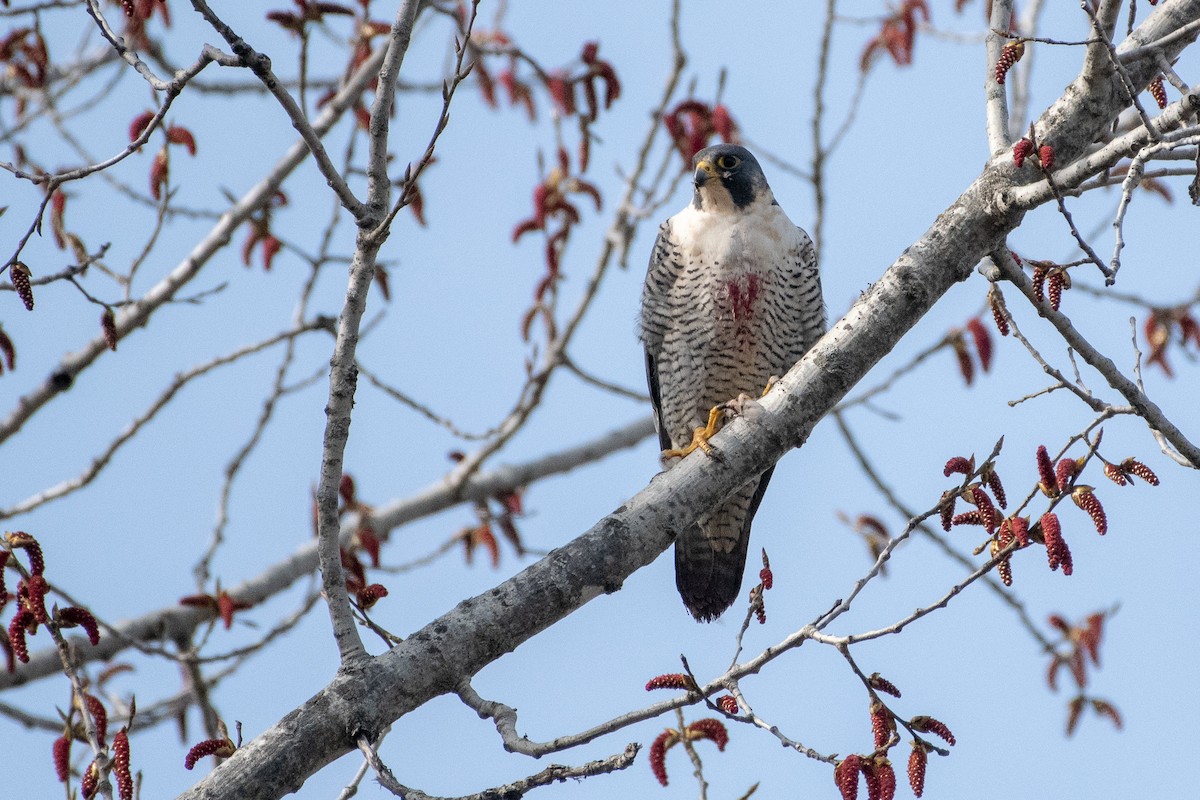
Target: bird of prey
[(732, 297)]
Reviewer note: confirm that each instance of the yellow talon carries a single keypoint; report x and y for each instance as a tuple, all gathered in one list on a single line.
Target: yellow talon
[(700, 437)]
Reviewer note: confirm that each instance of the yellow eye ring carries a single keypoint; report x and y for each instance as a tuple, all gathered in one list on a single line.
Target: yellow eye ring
[(728, 162)]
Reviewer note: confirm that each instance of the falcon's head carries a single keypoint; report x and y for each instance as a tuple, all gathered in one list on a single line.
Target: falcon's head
[(728, 178)]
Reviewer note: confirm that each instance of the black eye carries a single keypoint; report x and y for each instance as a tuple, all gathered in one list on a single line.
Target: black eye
[(728, 162)]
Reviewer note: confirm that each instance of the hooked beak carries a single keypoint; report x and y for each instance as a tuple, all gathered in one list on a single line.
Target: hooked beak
[(704, 172)]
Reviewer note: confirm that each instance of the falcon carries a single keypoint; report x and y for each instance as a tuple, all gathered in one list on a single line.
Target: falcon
[(732, 298)]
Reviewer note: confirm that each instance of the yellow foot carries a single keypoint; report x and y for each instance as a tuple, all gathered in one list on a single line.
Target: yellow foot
[(700, 437)]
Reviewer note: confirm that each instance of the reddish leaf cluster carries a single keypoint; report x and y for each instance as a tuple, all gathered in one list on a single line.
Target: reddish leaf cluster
[(875, 768), (365, 540), (875, 535), (708, 728), (692, 123), (877, 772), (1010, 54), (31, 601), (897, 35), (222, 604), (981, 343), (1025, 148), (260, 233), (306, 11), (1082, 641), (552, 204), (480, 536), (596, 74), (160, 168), (137, 14), (1167, 326), (976, 493), (1050, 278), (23, 54)]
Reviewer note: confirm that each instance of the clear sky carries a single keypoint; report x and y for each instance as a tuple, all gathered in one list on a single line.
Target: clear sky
[(450, 337)]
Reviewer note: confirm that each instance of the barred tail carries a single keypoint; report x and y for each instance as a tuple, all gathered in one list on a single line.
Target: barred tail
[(710, 556)]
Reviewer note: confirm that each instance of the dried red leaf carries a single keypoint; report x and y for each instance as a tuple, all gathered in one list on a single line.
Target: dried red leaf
[(983, 342), (160, 171), (1108, 710), (139, 125), (177, 134), (965, 365), (1074, 710), (270, 246)]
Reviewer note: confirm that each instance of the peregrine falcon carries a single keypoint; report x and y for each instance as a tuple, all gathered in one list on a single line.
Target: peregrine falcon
[(732, 297)]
